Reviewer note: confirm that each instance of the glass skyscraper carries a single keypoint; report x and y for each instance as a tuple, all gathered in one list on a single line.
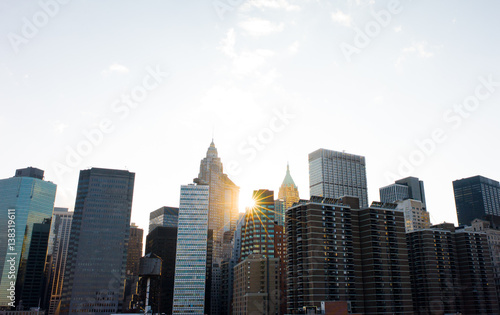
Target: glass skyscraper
[(191, 255), (477, 197), (95, 271), (31, 200), (165, 216), (335, 174)]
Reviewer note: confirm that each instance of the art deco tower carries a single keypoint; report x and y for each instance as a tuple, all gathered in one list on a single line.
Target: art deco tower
[(223, 200), (287, 196)]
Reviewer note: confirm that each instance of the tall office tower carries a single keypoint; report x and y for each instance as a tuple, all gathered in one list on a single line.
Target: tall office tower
[(257, 286), (258, 230), (476, 198), (406, 188), (27, 199), (493, 237), (223, 203), (56, 256), (336, 252), (191, 253), (433, 271), (416, 217), (165, 216), (384, 255), (162, 242), (97, 251), (335, 174), (134, 254), (32, 289), (287, 196)]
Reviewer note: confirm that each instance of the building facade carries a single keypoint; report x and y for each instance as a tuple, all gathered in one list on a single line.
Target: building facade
[(257, 233), (335, 174), (97, 252), (165, 216), (338, 252), (416, 216), (493, 237), (406, 188), (257, 286), (25, 199), (433, 270), (33, 286), (134, 254), (476, 198), (162, 242), (191, 251), (56, 256)]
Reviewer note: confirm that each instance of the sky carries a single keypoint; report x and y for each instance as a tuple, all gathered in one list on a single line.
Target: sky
[(413, 86)]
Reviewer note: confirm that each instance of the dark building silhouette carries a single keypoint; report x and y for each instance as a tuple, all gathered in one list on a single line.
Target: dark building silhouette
[(162, 242), (32, 289), (165, 216), (97, 253), (134, 254), (477, 197)]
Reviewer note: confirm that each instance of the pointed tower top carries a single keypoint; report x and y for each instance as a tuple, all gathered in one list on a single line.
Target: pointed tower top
[(212, 150), (288, 181)]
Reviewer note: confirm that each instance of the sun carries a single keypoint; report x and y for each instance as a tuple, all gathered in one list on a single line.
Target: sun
[(246, 201)]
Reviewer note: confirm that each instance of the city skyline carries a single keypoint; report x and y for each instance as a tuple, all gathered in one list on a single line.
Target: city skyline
[(270, 81)]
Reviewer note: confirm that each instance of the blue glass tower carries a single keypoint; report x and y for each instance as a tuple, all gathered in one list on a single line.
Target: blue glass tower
[(30, 200)]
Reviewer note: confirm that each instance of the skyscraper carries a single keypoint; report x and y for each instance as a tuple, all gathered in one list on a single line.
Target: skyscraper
[(191, 253), (56, 255), (223, 203), (262, 253), (28, 199), (97, 255), (162, 242), (257, 233), (406, 188), (287, 196), (476, 198), (165, 216), (335, 174), (222, 214), (134, 254), (33, 286)]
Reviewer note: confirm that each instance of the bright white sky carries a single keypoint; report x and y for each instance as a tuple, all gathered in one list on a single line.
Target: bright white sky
[(232, 70)]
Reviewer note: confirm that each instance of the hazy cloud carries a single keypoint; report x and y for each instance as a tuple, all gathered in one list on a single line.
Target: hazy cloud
[(258, 27), (115, 68), (342, 18)]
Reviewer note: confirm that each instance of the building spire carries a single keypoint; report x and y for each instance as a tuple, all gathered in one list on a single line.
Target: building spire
[(288, 181)]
